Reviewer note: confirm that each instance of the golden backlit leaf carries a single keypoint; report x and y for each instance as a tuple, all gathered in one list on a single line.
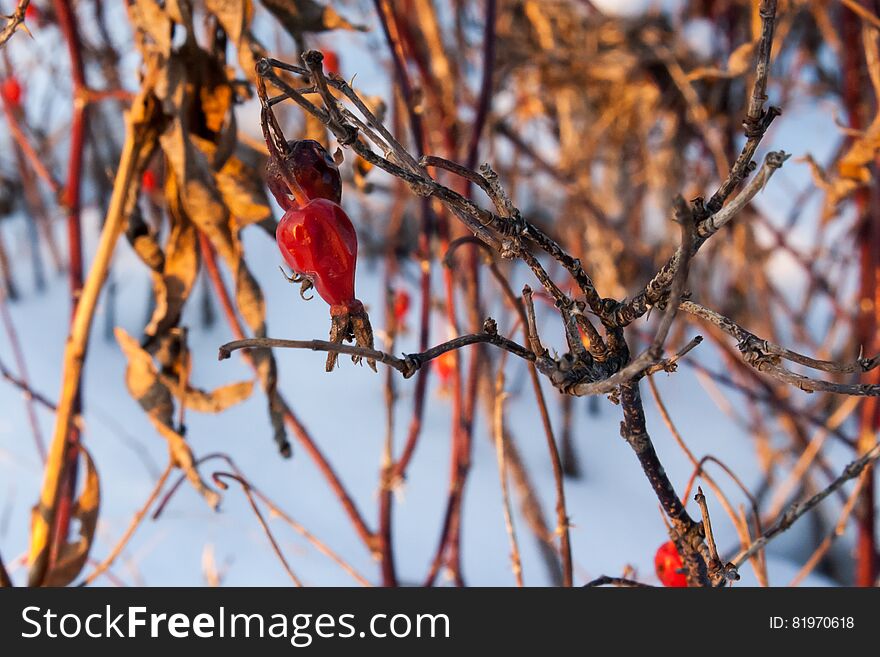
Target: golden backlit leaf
[(178, 276), (739, 62), (234, 16), (241, 185), (300, 16), (148, 17), (213, 401)]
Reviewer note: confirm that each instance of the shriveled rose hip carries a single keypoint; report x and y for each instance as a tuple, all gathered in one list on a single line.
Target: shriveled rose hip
[(311, 167)]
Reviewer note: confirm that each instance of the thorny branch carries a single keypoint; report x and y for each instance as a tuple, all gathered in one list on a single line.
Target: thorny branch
[(14, 22)]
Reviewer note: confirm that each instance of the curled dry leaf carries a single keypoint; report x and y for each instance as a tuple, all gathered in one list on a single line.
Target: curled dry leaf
[(174, 284), (145, 385), (211, 401), (739, 62), (853, 168), (241, 186), (73, 556), (300, 16)]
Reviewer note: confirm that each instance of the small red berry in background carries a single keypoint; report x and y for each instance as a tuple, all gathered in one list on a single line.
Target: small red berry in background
[(669, 566), (10, 89), (401, 308), (331, 61), (148, 181), (444, 365), (33, 14)]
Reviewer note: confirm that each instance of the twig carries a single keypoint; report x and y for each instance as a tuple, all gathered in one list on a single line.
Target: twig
[(699, 470), (605, 580), (653, 292), (764, 357), (274, 509), (13, 22), (408, 365), (245, 486), (795, 511), (562, 524), (132, 527), (22, 381), (714, 561), (498, 431)]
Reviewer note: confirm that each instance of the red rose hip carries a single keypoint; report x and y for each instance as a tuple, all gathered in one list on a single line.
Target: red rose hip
[(318, 241), (669, 566)]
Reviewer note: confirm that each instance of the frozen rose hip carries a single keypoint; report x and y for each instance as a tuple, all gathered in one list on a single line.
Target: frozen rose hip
[(319, 242), (315, 236)]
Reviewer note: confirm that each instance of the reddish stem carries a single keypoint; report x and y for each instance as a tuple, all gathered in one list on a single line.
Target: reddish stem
[(415, 124), (71, 201), (868, 235)]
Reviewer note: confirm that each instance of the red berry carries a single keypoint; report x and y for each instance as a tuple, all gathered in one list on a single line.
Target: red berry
[(401, 306), (669, 566), (331, 61), (148, 182), (313, 169), (444, 364), (33, 13), (319, 241), (11, 91)]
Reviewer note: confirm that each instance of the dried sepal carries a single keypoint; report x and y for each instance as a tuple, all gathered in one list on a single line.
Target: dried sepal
[(350, 324)]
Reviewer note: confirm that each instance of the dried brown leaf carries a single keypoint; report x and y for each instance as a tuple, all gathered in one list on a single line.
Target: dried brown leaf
[(739, 62), (145, 385), (213, 401), (300, 16), (73, 556)]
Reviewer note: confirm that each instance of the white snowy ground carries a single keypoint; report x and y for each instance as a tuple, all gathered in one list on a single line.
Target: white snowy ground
[(614, 513)]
